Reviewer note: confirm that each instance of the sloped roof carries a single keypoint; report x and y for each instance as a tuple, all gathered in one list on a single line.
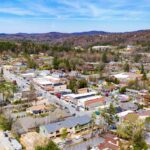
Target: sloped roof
[(68, 123)]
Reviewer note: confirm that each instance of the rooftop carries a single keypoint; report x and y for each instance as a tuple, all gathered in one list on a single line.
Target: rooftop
[(68, 123)]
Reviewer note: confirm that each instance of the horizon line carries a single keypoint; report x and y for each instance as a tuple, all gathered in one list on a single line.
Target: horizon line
[(76, 32)]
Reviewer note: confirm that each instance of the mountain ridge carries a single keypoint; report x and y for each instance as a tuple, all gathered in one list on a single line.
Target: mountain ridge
[(83, 39)]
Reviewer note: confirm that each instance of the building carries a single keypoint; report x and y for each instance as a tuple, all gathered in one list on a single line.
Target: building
[(8, 142), (73, 125), (87, 100), (37, 109), (130, 47), (73, 98), (121, 115), (49, 83), (111, 142), (91, 102), (102, 48), (126, 77)]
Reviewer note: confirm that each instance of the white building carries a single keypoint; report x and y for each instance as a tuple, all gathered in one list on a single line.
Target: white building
[(7, 142)]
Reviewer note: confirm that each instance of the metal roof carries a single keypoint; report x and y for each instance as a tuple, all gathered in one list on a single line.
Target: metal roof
[(68, 123)]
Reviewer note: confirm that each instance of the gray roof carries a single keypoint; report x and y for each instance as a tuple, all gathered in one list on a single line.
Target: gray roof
[(129, 106), (68, 123)]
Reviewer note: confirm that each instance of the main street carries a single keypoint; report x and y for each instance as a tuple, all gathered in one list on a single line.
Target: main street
[(24, 84)]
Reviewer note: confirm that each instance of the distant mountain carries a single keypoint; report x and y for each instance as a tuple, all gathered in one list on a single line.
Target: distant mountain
[(53, 34), (90, 33), (83, 39)]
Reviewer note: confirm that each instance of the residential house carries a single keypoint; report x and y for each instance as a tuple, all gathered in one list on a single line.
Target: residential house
[(37, 109), (73, 125), (111, 142)]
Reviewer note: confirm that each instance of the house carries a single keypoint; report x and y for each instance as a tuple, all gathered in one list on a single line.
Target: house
[(132, 92), (143, 114), (73, 125), (121, 115), (130, 47), (37, 109), (30, 123), (82, 90), (8, 142), (111, 142), (146, 100), (123, 98), (128, 106), (125, 77), (102, 48), (28, 75)]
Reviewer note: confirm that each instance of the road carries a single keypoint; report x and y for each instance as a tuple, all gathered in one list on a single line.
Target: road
[(24, 84)]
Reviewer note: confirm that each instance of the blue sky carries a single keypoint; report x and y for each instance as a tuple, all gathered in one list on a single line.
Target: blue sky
[(38, 16)]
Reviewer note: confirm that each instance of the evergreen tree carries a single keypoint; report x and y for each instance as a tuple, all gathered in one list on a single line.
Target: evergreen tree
[(144, 77), (126, 67), (142, 69), (104, 57), (55, 63)]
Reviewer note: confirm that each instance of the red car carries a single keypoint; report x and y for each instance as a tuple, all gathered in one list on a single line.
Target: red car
[(58, 95)]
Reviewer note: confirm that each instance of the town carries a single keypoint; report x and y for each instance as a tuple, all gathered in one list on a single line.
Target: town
[(75, 98)]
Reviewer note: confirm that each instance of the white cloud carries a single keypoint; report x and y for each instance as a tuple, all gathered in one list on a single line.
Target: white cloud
[(16, 11)]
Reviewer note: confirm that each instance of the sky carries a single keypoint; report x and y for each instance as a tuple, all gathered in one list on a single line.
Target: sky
[(41, 16)]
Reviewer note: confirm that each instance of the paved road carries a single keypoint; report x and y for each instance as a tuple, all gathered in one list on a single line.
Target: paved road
[(23, 84)]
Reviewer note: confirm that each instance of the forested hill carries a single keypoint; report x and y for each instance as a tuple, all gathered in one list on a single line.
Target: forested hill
[(83, 39)]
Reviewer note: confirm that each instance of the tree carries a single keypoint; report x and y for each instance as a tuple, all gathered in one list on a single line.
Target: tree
[(5, 124), (62, 65), (104, 57), (73, 85), (30, 62), (122, 90), (147, 123), (7, 90), (64, 133), (82, 83), (110, 115), (101, 68), (112, 109), (137, 58), (144, 77), (134, 133), (55, 63), (116, 57), (50, 146), (32, 94), (126, 67), (1, 73), (139, 141), (67, 64), (142, 69)]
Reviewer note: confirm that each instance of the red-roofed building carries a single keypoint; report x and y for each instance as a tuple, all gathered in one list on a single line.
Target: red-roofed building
[(111, 142), (91, 102)]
